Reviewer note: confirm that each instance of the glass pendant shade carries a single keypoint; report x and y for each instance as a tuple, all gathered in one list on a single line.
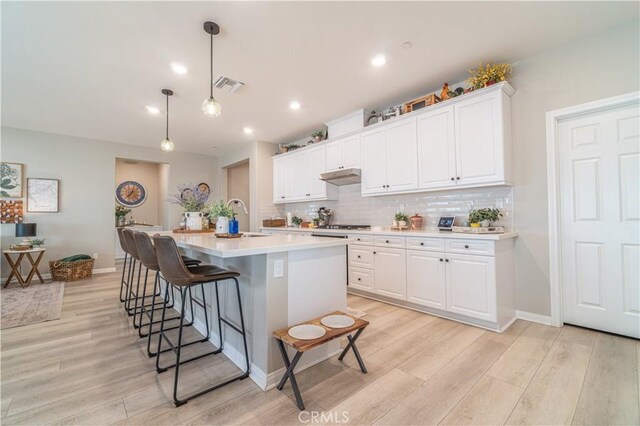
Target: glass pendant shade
[(166, 145), (211, 107)]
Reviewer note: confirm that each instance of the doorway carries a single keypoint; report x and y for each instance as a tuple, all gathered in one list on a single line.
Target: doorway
[(594, 212), (238, 185)]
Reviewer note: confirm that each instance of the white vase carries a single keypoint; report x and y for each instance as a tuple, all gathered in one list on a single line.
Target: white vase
[(402, 224), (222, 225), (485, 223), (194, 221)]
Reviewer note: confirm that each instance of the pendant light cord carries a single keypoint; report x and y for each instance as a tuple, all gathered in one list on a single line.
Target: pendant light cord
[(211, 59), (167, 116)]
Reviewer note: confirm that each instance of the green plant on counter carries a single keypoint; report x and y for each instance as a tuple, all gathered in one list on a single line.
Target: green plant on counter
[(37, 242), (220, 209), (401, 217), (296, 221), (490, 214), (122, 211)]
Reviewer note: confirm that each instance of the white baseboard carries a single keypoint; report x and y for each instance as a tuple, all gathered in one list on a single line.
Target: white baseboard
[(530, 316), (95, 271)]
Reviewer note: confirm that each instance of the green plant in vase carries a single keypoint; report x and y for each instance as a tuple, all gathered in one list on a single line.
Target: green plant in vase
[(401, 219), (121, 212), (484, 217), (222, 213), (296, 221)]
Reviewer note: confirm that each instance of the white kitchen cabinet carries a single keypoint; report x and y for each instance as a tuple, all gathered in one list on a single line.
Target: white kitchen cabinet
[(471, 286), (436, 149), (297, 177), (426, 279), (390, 272), (389, 158), (361, 278), (343, 153)]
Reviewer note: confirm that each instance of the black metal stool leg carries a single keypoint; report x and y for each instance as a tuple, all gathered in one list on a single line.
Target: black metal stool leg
[(183, 295), (122, 281), (288, 374), (135, 303), (243, 332)]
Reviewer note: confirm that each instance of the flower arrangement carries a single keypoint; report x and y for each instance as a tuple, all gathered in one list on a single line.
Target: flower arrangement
[(489, 214), (488, 75), (220, 209), (122, 211), (191, 198)]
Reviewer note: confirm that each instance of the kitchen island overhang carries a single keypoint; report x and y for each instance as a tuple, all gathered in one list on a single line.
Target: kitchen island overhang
[(284, 280)]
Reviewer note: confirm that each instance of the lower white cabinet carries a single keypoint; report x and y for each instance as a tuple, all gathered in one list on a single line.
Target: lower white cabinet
[(471, 286), (426, 279), (390, 272), (361, 278)]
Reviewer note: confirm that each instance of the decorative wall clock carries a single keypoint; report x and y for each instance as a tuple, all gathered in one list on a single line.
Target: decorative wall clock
[(131, 193)]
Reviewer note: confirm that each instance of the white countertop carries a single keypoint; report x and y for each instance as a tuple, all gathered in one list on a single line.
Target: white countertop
[(249, 246), (434, 233)]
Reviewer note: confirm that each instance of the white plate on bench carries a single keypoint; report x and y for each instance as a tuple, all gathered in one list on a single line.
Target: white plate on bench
[(307, 332), (337, 321)]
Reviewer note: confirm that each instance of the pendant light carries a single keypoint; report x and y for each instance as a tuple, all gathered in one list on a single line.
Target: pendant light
[(166, 144), (211, 107)]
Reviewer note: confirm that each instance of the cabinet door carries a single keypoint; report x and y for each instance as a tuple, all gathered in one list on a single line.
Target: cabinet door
[(374, 162), (471, 286), (334, 156), (361, 278), (351, 152), (479, 141), (402, 153), (278, 180), (315, 166), (390, 272), (296, 184), (436, 149), (426, 284)]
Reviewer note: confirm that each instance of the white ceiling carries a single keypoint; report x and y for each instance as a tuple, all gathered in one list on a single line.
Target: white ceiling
[(89, 68)]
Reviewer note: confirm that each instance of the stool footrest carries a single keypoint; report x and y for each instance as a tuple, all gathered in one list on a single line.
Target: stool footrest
[(224, 320)]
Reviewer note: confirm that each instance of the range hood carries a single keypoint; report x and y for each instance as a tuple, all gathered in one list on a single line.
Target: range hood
[(342, 177)]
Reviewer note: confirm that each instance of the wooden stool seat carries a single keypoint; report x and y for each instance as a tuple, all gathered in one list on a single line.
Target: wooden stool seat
[(301, 346)]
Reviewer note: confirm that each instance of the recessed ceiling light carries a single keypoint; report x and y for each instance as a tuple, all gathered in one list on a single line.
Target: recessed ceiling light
[(248, 130), (294, 105), (378, 61), (152, 109), (178, 68)]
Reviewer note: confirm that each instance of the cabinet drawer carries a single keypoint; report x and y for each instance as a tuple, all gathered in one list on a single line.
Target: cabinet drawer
[(390, 241), (366, 240), (470, 247), (428, 244), (362, 279), (361, 256)]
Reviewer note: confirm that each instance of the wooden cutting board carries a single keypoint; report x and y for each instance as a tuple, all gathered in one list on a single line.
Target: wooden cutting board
[(189, 231), (229, 235)]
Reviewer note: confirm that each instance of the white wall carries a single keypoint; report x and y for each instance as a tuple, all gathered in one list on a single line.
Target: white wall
[(86, 169)]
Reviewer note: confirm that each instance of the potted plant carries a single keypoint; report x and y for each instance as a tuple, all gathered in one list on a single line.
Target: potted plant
[(488, 75), (193, 201), (121, 212), (484, 217), (37, 242), (318, 136), (402, 220), (296, 221), (223, 213)]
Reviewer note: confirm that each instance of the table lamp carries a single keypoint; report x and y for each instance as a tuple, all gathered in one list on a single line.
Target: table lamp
[(25, 230)]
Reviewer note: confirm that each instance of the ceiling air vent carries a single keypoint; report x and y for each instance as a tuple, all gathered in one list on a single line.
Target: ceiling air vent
[(226, 82)]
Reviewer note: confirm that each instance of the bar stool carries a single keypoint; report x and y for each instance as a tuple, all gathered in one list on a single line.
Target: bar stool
[(147, 255), (123, 245), (178, 275)]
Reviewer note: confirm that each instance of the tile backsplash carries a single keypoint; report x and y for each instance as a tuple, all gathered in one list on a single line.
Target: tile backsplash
[(352, 208)]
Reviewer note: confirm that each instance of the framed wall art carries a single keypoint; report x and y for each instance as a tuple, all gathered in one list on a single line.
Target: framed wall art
[(10, 180), (10, 211), (42, 195)]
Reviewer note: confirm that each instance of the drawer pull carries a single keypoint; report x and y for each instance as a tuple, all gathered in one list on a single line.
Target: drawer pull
[(374, 252), (452, 179), (446, 260), (387, 241), (359, 279), (466, 246), (358, 256), (441, 260), (358, 239), (421, 244)]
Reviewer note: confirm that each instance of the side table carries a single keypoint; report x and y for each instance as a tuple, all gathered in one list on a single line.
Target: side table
[(15, 265)]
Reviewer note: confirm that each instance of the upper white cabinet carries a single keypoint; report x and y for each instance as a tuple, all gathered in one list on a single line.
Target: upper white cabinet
[(436, 149), (296, 177), (389, 158), (343, 153)]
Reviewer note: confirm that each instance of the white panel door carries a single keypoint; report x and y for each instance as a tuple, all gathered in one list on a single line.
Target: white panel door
[(436, 149), (351, 152), (374, 162), (478, 144), (334, 156), (390, 272), (426, 284), (471, 286), (315, 166), (402, 152), (599, 165)]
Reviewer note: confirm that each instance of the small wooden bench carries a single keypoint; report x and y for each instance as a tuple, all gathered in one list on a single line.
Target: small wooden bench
[(282, 336)]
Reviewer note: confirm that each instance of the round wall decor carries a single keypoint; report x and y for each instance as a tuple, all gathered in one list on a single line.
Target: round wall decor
[(131, 193)]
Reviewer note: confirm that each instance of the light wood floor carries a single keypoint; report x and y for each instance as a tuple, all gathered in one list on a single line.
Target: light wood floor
[(89, 368)]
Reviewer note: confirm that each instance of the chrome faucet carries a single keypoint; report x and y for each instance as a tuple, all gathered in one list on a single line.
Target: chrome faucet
[(238, 201)]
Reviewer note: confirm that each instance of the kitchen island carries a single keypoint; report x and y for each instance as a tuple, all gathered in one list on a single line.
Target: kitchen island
[(285, 280)]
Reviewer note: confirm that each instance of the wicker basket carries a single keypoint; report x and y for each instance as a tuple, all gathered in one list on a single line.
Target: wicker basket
[(71, 271)]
